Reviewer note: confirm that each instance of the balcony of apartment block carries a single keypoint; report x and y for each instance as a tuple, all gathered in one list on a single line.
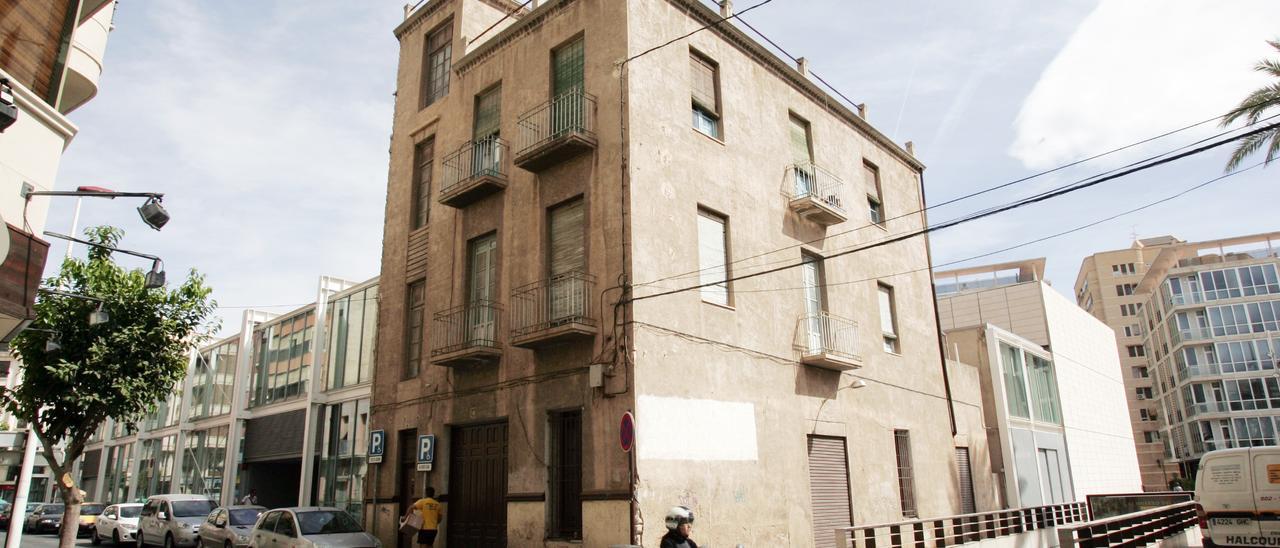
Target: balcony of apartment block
[(19, 278), (467, 334), (816, 194), (828, 341), (1209, 408), (84, 57), (474, 171), (1190, 298), (1189, 335), (552, 311), (556, 131)]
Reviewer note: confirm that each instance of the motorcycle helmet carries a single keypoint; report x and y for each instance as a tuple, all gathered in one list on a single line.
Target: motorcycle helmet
[(677, 516)]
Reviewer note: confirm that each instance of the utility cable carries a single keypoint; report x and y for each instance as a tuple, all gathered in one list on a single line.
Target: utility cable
[(499, 22), (715, 23), (696, 272), (980, 215)]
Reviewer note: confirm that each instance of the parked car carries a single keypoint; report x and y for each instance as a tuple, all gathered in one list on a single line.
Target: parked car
[(45, 519), (117, 522), (310, 527), (1239, 494), (89, 512), (173, 520), (7, 516), (229, 526)]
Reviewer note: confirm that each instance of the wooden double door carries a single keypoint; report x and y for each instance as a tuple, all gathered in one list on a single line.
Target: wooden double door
[(477, 515)]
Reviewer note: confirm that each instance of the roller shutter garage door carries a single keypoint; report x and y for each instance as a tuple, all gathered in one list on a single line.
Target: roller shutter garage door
[(967, 505), (829, 488)]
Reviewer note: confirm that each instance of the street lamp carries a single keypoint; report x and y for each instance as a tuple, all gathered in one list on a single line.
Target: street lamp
[(152, 213), (154, 278), (97, 317)]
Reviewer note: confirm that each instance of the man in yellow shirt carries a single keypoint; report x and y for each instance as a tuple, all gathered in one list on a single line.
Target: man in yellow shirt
[(432, 514)]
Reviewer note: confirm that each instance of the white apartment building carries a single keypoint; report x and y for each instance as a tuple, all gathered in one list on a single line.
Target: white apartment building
[(1212, 343), (1052, 385)]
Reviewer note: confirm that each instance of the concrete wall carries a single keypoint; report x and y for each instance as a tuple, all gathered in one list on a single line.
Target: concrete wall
[(740, 360), (972, 428), (1017, 308), (1091, 386), (30, 151)]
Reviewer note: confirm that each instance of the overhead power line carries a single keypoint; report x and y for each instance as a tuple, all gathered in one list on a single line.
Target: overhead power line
[(736, 15), (696, 272), (973, 217)]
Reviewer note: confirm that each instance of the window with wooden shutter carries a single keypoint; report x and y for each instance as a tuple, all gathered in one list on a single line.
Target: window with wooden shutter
[(424, 157), (705, 91), (567, 62), (801, 151), (712, 258), (565, 490), (488, 113), (875, 200), (888, 318), (414, 322), (568, 240), (436, 60)]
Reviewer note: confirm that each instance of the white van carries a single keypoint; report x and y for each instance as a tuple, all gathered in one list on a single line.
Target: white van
[(1239, 495)]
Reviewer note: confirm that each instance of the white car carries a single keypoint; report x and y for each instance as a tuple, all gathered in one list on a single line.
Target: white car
[(310, 527), (118, 522)]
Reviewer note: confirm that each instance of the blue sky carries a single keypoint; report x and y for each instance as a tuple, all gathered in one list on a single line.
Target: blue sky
[(267, 123)]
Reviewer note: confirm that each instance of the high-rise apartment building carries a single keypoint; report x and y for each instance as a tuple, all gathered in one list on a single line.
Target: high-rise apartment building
[(1107, 287), (555, 174), (1212, 316)]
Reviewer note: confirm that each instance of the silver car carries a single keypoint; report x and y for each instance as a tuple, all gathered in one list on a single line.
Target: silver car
[(117, 522), (173, 520), (229, 526), (310, 527)]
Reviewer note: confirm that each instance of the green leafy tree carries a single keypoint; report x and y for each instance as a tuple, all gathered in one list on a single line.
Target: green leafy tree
[(120, 368), (1253, 108)]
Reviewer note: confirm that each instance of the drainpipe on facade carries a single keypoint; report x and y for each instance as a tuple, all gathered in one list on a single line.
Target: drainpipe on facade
[(937, 318)]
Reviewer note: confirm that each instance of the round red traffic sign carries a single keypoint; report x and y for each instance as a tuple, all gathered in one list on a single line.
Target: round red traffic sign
[(627, 432)]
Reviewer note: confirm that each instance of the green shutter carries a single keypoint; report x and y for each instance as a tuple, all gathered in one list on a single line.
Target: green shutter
[(800, 141), (568, 67), (488, 113)]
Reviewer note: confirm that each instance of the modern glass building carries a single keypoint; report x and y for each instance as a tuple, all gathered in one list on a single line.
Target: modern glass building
[(282, 407), (1213, 340)]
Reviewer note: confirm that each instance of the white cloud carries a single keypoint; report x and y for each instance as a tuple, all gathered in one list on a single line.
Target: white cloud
[(1137, 68)]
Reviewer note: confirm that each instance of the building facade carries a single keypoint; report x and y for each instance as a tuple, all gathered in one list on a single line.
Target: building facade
[(283, 411), (51, 57), (1052, 384), (1212, 343), (543, 194), (1106, 287)]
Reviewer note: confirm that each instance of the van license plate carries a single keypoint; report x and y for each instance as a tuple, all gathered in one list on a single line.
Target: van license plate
[(1230, 522)]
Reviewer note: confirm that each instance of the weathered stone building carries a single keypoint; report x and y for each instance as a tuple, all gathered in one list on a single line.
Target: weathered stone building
[(553, 178)]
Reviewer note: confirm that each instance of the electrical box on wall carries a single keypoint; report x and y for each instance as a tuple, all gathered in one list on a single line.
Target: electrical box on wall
[(596, 375)]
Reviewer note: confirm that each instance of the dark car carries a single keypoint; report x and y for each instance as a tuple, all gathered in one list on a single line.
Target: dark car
[(7, 516), (46, 519)]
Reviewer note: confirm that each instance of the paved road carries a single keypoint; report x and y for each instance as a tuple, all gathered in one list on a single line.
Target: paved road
[(47, 540)]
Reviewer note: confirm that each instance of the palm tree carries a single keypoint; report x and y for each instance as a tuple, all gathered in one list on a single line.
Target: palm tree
[(1252, 109)]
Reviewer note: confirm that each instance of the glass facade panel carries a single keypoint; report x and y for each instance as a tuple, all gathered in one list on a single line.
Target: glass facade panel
[(1044, 389), (213, 380), (352, 327), (282, 358), (166, 412), (1015, 386), (340, 478), (155, 466), (118, 475), (202, 463)]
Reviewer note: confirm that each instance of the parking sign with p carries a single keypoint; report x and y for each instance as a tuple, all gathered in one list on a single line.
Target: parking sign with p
[(426, 452), (377, 445)]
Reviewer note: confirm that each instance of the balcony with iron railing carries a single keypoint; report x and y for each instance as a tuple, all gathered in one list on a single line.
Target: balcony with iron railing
[(554, 310), (556, 131), (474, 171), (467, 334), (828, 341), (816, 194)]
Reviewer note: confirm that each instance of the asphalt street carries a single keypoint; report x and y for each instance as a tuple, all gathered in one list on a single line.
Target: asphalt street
[(46, 540)]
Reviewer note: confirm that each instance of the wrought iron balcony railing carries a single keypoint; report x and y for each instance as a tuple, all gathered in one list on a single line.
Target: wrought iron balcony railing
[(468, 333), (556, 130), (828, 341), (474, 171), (816, 193), (552, 309)]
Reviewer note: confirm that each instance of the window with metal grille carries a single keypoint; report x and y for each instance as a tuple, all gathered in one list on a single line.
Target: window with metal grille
[(436, 59), (567, 61), (413, 326), (705, 91), (423, 159), (565, 479), (875, 199), (906, 479)]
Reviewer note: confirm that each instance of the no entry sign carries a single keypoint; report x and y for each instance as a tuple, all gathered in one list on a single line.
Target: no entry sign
[(627, 432)]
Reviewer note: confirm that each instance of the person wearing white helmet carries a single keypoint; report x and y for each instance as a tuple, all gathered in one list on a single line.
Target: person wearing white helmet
[(679, 525)]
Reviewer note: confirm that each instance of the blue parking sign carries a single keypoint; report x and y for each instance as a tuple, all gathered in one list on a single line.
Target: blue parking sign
[(426, 452), (377, 445)]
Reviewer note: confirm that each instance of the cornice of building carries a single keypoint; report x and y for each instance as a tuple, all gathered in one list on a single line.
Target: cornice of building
[(415, 19), (527, 24)]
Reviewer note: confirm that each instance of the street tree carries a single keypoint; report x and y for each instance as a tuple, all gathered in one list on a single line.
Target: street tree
[(1254, 107), (76, 372)]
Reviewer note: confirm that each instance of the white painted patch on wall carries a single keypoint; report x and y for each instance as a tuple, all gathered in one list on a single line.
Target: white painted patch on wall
[(698, 430)]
